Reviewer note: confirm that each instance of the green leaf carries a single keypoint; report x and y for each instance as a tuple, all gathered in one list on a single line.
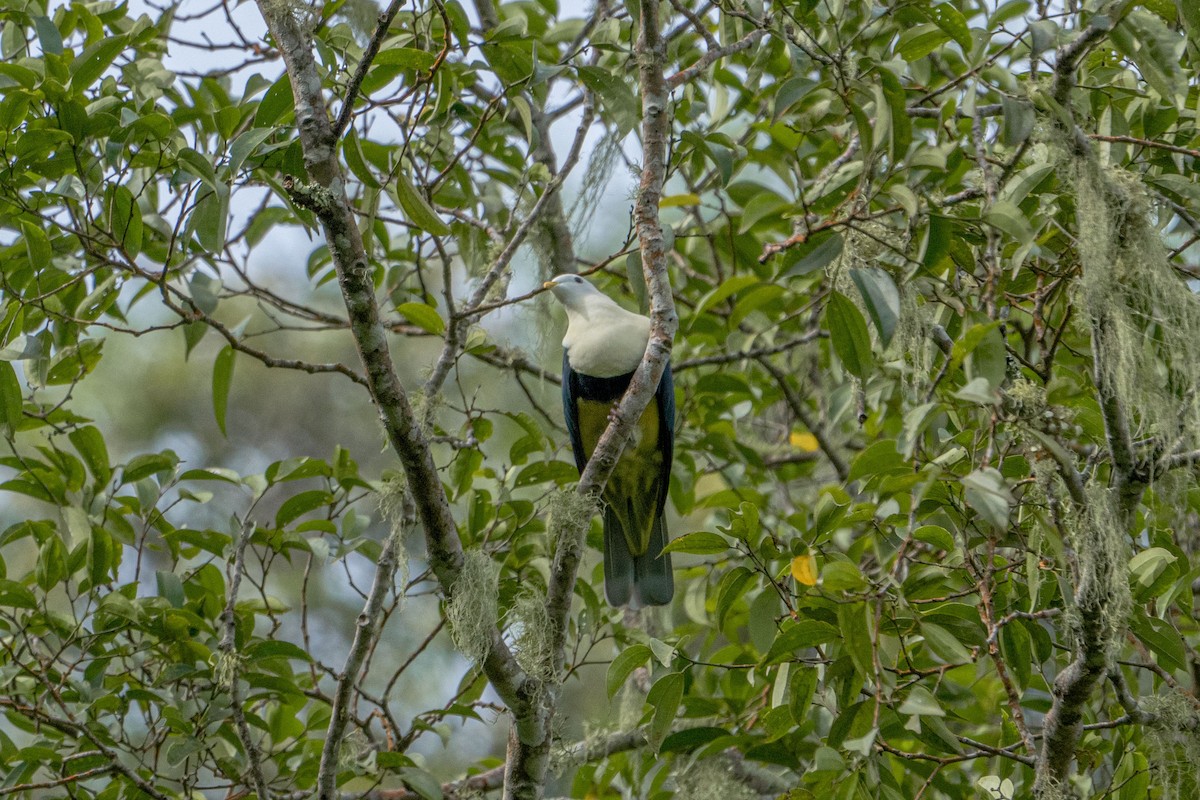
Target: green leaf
[(72, 363), (96, 58), (124, 219), (919, 41), (936, 536), (1146, 566), (1008, 218), (665, 696), (979, 390), (170, 587), (14, 595), (802, 685), (210, 218), (222, 379), (48, 35), (614, 93), (277, 102), (881, 458), (804, 633), (422, 783), (855, 624), (51, 563), (724, 291), (90, 443), (700, 543), (894, 96), (146, 465), (972, 339), (37, 245), (988, 493), (11, 399), (99, 555), (1017, 120), (301, 504), (623, 666), (1190, 13), (848, 330), (944, 644), (425, 317), (951, 20), (1017, 650), (276, 649), (820, 252), (689, 739), (882, 299), (733, 585), (211, 474), (405, 57), (244, 145), (842, 576), (1161, 638), (417, 208), (921, 702)]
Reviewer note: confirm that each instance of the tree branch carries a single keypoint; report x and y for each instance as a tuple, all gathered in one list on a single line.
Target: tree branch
[(327, 196), (228, 648), (815, 427), (650, 51), (1073, 687), (365, 630), (360, 72), (712, 56)]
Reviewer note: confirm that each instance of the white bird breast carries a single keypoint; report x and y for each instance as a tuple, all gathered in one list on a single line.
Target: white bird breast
[(607, 343)]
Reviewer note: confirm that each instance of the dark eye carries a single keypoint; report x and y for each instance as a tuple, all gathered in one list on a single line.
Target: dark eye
[(577, 279)]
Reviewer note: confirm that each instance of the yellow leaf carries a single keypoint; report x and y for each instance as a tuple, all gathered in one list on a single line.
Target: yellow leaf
[(804, 569), (804, 440), (679, 200)]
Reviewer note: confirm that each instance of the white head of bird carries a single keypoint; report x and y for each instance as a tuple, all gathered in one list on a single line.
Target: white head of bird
[(603, 339)]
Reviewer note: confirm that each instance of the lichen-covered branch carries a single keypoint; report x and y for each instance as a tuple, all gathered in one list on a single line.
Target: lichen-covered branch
[(1074, 686), (651, 55), (328, 197)]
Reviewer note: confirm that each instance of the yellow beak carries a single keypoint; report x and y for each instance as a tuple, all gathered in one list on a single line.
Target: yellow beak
[(548, 285)]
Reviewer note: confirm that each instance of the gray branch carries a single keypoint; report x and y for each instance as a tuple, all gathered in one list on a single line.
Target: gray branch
[(228, 648), (327, 198)]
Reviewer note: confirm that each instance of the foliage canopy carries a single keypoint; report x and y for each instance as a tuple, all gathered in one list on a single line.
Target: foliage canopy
[(937, 361)]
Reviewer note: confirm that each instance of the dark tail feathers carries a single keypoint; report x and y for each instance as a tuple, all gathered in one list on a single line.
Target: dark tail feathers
[(637, 581)]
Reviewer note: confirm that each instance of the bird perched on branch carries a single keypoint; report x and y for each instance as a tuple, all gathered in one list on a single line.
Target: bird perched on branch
[(603, 346)]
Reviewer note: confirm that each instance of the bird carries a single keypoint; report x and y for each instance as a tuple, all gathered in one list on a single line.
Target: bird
[(603, 346)]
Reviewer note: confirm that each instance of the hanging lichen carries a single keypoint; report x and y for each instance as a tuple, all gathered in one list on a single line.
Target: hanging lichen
[(599, 172), (1173, 744), (226, 666), (1101, 546), (568, 515), (396, 506), (1145, 321), (473, 605), (425, 410), (712, 779), (534, 639), (913, 344)]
